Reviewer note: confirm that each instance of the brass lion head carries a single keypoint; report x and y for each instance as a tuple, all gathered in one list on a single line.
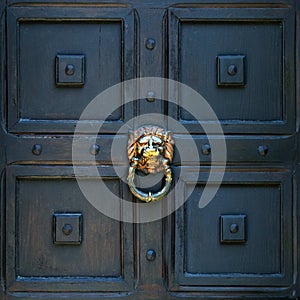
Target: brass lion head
[(150, 147)]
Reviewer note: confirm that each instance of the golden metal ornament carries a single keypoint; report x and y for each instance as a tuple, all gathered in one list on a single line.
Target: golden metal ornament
[(150, 150)]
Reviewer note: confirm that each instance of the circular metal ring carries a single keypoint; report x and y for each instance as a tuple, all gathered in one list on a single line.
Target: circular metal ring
[(149, 197)]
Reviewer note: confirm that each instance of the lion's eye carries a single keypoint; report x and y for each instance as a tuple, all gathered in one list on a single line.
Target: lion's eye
[(144, 140), (156, 140)]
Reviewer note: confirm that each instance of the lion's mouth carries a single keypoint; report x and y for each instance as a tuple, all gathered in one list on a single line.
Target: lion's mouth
[(150, 152)]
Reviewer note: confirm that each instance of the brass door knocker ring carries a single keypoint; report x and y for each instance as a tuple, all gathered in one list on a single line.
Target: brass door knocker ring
[(150, 150)]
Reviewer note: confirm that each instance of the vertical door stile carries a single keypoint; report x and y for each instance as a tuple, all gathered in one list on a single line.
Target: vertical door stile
[(151, 64)]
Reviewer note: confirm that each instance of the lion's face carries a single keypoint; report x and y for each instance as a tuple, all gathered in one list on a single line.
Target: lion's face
[(151, 145)]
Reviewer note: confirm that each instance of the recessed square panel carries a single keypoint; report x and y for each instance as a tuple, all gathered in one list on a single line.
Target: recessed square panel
[(240, 61), (55, 233), (58, 65), (263, 245), (39, 97), (241, 237), (43, 198), (259, 100)]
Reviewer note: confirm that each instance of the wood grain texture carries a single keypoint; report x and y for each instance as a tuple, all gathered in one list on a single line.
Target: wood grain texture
[(111, 261)]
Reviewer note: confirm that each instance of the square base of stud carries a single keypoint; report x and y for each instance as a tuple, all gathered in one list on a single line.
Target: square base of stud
[(67, 228)]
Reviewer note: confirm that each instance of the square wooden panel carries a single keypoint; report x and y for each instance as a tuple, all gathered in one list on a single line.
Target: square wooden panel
[(245, 103), (102, 261), (262, 257), (44, 98)]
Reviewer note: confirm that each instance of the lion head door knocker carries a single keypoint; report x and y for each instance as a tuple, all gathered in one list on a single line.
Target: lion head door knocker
[(150, 150)]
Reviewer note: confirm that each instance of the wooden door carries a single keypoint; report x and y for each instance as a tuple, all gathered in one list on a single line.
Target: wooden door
[(242, 57)]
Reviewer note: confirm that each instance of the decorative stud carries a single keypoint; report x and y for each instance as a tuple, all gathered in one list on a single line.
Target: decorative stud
[(37, 149), (150, 44), (150, 255), (94, 150), (263, 150), (234, 228), (206, 149), (70, 69), (67, 229), (232, 70), (150, 96)]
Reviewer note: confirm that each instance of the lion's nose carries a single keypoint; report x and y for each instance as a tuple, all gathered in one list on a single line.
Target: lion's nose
[(151, 143)]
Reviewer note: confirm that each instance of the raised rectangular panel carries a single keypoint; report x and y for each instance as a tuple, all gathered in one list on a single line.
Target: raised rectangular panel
[(204, 42), (95, 255), (43, 96), (259, 254)]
